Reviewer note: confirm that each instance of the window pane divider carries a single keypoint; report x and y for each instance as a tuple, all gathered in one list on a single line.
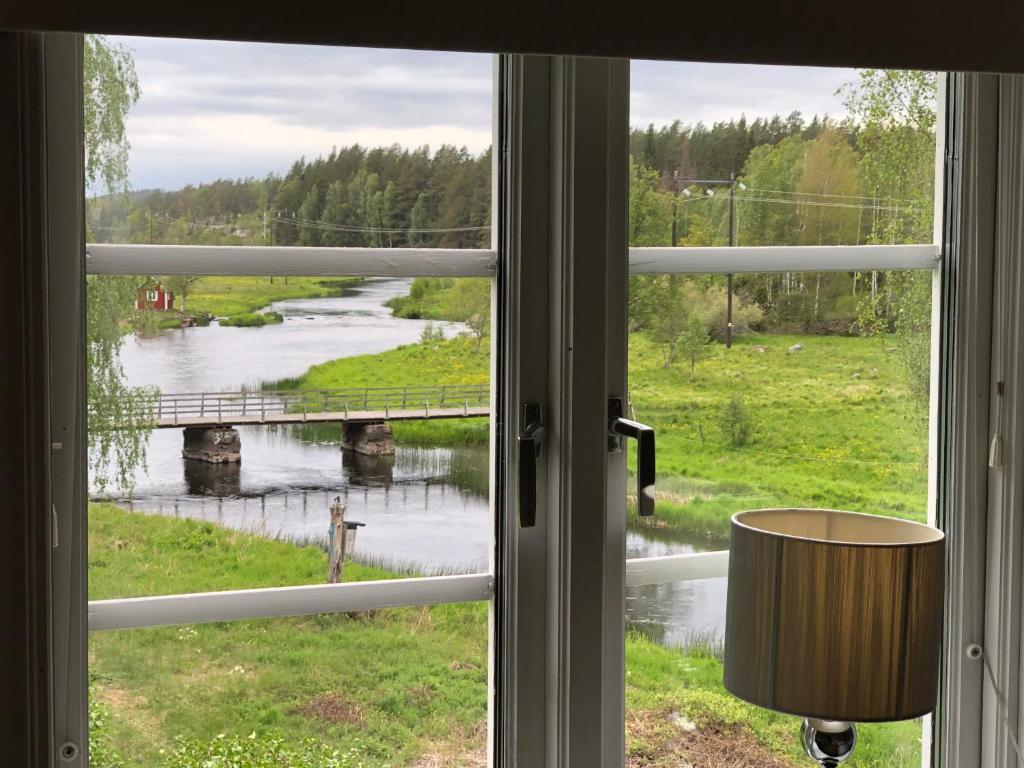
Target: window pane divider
[(259, 260), (275, 602), (644, 571), (782, 258)]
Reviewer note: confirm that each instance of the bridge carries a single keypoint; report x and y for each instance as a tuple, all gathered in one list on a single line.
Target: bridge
[(210, 418)]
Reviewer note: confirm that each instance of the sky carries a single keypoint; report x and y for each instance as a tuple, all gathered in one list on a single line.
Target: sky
[(227, 110)]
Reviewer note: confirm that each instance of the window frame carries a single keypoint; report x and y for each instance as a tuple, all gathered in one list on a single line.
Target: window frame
[(565, 120)]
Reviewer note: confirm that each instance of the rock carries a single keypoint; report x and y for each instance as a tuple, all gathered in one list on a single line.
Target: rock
[(759, 348), (795, 348), (216, 445), (855, 376), (373, 439)]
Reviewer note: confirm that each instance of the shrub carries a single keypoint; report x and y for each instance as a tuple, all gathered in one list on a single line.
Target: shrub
[(252, 319), (735, 423), (431, 334)]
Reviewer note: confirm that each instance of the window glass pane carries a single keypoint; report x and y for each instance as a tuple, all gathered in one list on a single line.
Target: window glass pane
[(261, 402), (232, 417), (817, 393), (743, 155)]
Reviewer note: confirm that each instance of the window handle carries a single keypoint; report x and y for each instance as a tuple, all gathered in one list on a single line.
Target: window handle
[(619, 427), (531, 446)]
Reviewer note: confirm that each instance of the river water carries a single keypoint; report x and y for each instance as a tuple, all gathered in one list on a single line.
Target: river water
[(423, 509)]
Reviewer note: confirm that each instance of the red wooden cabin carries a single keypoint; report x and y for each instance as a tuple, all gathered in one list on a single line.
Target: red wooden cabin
[(153, 296)]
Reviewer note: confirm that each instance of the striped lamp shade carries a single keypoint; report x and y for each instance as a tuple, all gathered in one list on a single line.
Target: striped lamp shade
[(834, 615)]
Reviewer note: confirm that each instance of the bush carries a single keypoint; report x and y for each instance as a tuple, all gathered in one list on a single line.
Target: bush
[(746, 316), (734, 422), (252, 319), (431, 334), (795, 309)]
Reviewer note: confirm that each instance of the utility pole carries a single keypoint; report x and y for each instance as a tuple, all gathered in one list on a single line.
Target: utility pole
[(732, 242), (675, 205), (732, 183)]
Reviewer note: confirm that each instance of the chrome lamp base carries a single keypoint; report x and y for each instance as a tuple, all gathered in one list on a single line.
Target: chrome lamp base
[(830, 742)]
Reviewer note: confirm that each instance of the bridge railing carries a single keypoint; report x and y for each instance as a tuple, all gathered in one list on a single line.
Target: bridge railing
[(223, 406)]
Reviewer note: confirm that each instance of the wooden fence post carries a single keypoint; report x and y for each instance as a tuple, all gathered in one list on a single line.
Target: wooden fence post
[(336, 542)]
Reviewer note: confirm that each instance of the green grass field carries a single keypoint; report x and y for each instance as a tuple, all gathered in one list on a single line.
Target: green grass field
[(831, 425), (229, 296), (459, 360), (395, 688)]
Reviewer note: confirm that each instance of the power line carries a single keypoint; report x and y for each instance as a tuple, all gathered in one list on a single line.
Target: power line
[(298, 221), (826, 194)]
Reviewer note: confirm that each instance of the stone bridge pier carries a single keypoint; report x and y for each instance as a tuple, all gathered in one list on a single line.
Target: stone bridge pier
[(215, 445), (372, 438)]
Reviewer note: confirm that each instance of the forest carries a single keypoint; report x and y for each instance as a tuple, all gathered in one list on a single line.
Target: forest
[(867, 179)]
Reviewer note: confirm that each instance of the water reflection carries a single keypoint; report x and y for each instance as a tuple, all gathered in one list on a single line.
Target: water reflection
[(370, 471), (205, 479)]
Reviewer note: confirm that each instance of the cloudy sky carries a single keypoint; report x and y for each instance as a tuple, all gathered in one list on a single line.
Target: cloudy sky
[(212, 110)]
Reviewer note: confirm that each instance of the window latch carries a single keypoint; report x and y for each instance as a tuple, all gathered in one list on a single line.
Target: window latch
[(531, 446), (619, 427)]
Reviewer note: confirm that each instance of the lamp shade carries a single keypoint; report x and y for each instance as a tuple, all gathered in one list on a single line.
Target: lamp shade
[(834, 615)]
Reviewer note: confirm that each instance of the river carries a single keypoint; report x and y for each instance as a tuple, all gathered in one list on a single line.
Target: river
[(424, 510)]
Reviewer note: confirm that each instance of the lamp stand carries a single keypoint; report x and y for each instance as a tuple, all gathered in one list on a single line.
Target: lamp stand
[(830, 742)]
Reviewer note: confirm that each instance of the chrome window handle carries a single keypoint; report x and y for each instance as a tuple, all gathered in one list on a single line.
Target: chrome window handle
[(531, 446), (619, 427)]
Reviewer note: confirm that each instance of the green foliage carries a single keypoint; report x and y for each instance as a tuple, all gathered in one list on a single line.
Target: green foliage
[(254, 751), (829, 174), (895, 114), (676, 308), (650, 208), (101, 752), (473, 298), (252, 319), (119, 416), (381, 197), (431, 334), (182, 286), (445, 298), (693, 343), (734, 422), (111, 88)]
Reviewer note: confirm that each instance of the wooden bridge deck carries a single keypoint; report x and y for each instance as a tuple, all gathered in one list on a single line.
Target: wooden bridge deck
[(362, 405), (320, 417)]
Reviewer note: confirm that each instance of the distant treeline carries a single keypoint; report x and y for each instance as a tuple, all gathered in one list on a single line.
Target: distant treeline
[(391, 196), (387, 196)]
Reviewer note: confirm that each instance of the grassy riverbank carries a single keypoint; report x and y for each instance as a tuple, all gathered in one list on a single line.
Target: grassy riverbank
[(398, 688), (436, 298), (230, 296), (454, 361)]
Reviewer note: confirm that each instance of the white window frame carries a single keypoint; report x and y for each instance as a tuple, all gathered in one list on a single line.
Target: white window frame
[(560, 595)]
